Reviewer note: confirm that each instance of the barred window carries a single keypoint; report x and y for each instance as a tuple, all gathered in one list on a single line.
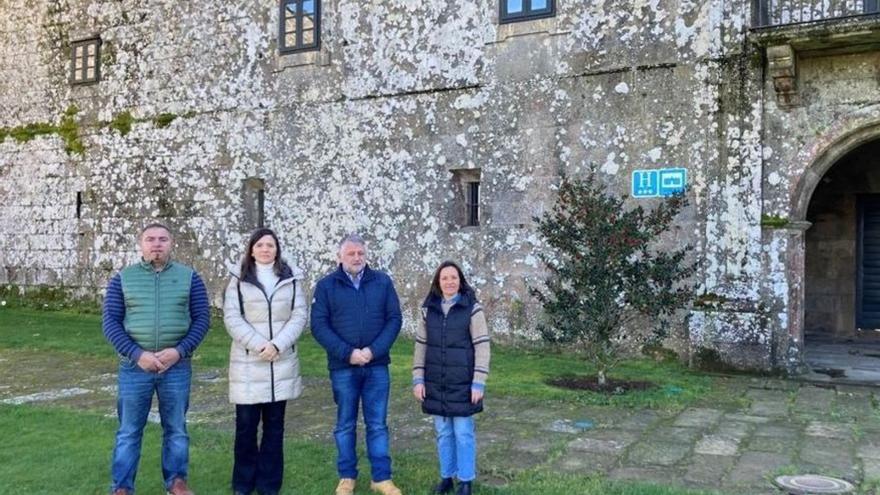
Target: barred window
[(472, 204), (525, 10), (466, 184), (85, 62), (300, 25), (254, 203)]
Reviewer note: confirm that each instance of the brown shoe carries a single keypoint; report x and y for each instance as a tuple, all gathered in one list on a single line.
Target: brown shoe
[(345, 487), (121, 491), (385, 488), (178, 487)]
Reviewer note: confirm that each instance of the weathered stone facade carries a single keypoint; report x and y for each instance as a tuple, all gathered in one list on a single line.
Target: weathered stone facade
[(196, 112)]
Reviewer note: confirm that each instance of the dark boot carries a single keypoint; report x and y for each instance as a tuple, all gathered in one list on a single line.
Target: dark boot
[(445, 486), (464, 488)]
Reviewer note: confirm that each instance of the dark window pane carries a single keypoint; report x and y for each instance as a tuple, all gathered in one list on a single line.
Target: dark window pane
[(261, 208), (308, 6), (472, 205), (514, 6)]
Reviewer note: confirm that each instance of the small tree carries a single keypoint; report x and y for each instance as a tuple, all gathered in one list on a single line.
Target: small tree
[(603, 273)]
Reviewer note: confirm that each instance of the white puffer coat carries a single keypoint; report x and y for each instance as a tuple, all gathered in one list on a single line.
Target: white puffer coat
[(253, 380)]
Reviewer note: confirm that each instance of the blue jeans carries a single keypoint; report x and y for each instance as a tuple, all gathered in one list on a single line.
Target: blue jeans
[(456, 447), (135, 397), (368, 386)]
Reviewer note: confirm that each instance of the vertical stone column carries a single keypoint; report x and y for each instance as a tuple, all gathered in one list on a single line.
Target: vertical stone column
[(784, 248)]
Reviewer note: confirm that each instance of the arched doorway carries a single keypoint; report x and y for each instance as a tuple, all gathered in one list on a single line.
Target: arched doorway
[(842, 268)]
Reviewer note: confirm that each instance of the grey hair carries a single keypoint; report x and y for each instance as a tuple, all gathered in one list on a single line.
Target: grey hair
[(155, 225), (353, 238)]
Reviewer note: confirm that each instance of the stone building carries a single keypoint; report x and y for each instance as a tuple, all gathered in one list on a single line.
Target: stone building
[(439, 127)]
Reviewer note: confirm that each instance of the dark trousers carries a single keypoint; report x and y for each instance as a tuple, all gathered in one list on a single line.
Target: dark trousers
[(259, 468)]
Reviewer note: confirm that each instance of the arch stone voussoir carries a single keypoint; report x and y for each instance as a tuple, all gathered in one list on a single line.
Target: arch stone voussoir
[(821, 154)]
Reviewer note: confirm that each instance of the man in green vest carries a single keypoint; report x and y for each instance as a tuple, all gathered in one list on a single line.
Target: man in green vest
[(156, 313)]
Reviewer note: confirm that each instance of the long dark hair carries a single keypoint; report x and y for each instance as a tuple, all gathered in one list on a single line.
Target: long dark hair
[(463, 288), (249, 264)]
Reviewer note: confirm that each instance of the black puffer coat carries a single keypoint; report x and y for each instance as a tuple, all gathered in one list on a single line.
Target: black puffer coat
[(449, 359)]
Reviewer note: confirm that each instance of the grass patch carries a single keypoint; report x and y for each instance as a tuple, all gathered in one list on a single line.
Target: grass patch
[(122, 122), (23, 134), (515, 372), (82, 443), (68, 130), (773, 221), (164, 120)]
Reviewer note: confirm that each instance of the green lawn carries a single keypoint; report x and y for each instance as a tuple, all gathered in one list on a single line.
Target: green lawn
[(79, 445), (55, 450), (515, 372)]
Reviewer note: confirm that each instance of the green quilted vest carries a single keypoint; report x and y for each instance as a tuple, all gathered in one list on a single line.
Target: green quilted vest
[(156, 304)]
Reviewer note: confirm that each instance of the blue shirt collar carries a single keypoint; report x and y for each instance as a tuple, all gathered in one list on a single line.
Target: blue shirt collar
[(355, 279), (452, 300)]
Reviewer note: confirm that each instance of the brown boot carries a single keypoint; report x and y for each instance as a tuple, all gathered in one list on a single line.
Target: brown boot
[(345, 487), (385, 488), (178, 487)]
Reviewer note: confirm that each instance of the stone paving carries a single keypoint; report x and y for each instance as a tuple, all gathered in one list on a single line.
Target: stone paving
[(769, 427)]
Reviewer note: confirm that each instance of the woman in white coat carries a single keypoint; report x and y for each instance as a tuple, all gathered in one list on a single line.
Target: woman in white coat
[(264, 312)]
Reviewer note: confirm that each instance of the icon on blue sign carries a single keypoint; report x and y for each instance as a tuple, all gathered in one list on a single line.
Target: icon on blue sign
[(672, 181), (658, 182), (645, 184)]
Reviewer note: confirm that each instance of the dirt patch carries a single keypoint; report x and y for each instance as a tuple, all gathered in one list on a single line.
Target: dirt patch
[(591, 383)]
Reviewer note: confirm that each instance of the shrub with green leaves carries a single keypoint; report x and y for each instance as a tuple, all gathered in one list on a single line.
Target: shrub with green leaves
[(605, 271)]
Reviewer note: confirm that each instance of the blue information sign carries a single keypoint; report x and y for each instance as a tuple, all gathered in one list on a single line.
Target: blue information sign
[(645, 184), (658, 182)]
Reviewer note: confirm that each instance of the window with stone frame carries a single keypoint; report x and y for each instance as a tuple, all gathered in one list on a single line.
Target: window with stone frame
[(525, 10), (85, 61), (299, 26), (467, 183)]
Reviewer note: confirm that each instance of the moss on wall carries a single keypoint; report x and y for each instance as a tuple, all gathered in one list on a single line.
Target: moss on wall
[(773, 221), (67, 130)]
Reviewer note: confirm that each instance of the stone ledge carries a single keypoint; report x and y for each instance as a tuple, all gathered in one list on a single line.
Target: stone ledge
[(846, 33)]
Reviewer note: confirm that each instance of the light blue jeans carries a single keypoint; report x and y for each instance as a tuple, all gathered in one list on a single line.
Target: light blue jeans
[(135, 396), (456, 447)]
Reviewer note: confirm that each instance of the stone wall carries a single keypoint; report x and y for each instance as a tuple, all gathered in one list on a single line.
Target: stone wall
[(365, 134)]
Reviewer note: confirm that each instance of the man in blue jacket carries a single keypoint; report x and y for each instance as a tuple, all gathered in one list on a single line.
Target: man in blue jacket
[(156, 313), (356, 318)]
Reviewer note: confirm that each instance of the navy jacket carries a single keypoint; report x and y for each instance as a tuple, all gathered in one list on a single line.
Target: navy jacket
[(344, 318), (449, 359)]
